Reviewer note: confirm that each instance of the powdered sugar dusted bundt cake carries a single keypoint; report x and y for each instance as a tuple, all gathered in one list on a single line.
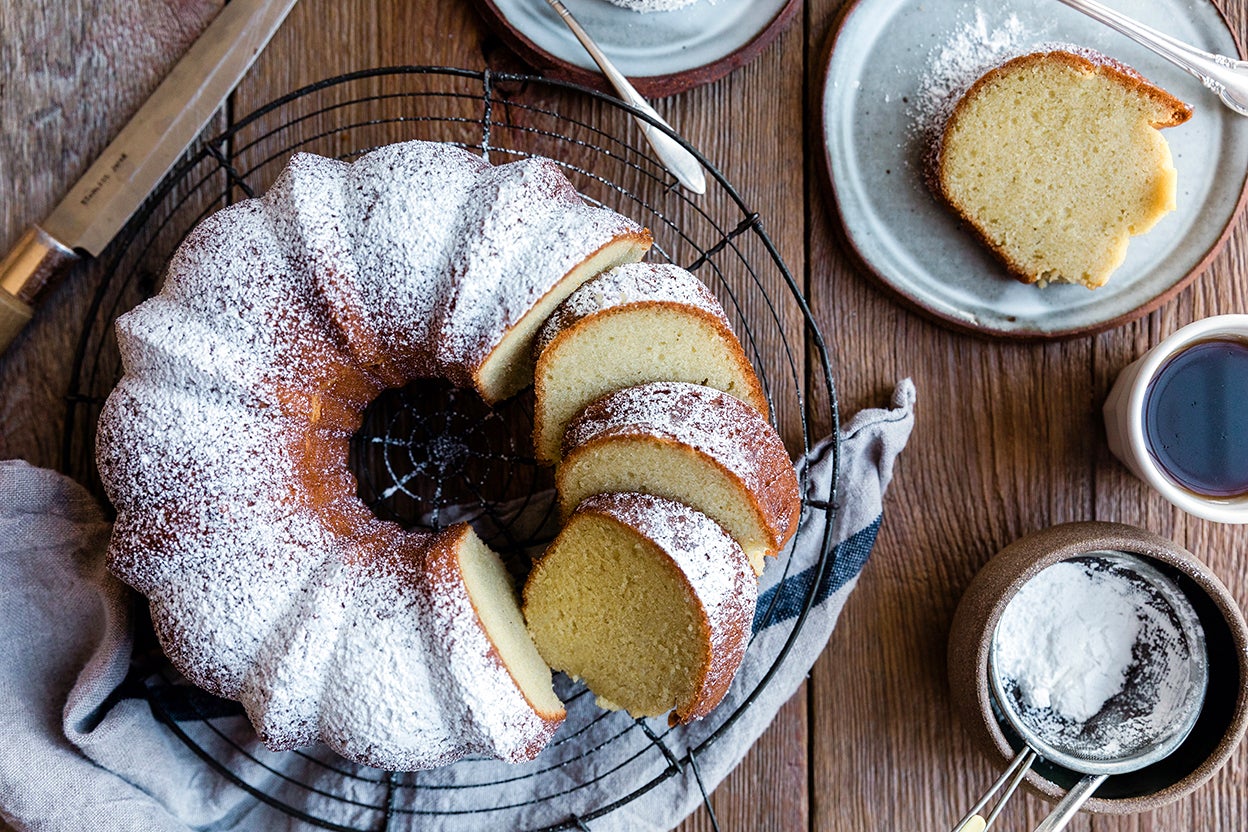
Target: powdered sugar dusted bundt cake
[(648, 601), (637, 323), (691, 444), (1055, 159), (224, 447)]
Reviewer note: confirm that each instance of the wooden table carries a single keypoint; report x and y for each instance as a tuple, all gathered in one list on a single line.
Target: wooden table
[(1009, 437)]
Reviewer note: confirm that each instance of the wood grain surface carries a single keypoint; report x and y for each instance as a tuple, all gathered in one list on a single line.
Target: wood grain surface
[(1008, 439)]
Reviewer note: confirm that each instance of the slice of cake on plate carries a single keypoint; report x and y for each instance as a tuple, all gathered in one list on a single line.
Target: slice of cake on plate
[(1055, 159)]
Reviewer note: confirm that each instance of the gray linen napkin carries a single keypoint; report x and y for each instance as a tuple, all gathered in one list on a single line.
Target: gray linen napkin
[(81, 747)]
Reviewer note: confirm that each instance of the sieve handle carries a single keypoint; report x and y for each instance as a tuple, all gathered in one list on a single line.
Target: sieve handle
[(1071, 803), (974, 821)]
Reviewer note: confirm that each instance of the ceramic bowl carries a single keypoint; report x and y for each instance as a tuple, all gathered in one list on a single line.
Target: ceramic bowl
[(1224, 715)]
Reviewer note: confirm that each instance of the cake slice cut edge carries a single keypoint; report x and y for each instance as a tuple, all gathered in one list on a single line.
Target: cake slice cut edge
[(494, 600), (647, 601), (508, 368), (639, 323)]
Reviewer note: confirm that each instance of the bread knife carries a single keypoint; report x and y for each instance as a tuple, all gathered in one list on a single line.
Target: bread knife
[(129, 169)]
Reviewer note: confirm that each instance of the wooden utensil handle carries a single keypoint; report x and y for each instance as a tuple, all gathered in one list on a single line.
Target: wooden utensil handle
[(37, 258), (14, 315)]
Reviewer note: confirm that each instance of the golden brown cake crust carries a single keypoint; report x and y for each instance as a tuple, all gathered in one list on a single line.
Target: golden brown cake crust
[(1089, 61)]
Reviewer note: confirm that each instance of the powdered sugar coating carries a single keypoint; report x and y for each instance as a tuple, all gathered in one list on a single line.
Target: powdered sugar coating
[(490, 724), (393, 236), (716, 425), (626, 285), (224, 447), (717, 573), (417, 625), (646, 6)]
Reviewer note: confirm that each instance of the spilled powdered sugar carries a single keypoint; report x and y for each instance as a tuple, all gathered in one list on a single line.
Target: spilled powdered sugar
[(954, 65), (974, 48), (646, 6)]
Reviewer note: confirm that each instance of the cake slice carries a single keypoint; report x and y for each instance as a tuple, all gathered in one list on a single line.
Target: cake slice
[(1054, 159), (634, 324), (474, 620), (646, 600), (692, 444)]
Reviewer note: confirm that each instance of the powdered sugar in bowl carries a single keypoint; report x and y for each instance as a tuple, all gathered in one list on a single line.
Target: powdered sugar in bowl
[(1102, 658), (1092, 658), (1099, 665)]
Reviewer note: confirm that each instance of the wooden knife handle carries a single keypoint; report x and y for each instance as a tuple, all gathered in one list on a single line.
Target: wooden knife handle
[(25, 271), (13, 317)]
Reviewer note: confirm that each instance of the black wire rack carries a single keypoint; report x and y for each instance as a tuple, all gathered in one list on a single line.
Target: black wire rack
[(430, 454)]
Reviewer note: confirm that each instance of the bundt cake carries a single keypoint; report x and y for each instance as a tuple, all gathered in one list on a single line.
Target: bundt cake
[(637, 323), (224, 447), (648, 601), (691, 444), (1054, 159)]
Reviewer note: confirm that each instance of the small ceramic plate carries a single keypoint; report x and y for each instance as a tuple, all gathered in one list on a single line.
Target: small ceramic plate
[(661, 52), (877, 62)]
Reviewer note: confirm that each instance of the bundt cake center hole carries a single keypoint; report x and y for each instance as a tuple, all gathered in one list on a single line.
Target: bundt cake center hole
[(430, 454)]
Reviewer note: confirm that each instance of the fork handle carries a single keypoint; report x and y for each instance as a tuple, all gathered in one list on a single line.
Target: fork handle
[(1225, 77), (674, 157)]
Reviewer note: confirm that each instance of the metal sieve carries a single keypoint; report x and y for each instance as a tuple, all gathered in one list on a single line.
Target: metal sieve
[(1125, 735)]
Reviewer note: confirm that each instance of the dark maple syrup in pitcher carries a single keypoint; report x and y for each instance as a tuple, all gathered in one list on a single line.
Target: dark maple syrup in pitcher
[(1196, 418)]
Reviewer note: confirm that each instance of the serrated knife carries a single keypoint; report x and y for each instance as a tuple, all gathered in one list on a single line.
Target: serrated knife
[(129, 169)]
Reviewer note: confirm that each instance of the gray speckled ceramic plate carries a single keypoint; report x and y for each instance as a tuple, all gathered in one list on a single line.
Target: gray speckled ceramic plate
[(641, 45), (876, 63)]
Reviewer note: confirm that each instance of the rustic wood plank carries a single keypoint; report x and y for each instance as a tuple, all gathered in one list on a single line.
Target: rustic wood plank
[(734, 121), (70, 80)]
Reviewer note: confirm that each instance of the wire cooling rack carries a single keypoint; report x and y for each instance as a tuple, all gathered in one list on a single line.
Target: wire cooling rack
[(429, 454)]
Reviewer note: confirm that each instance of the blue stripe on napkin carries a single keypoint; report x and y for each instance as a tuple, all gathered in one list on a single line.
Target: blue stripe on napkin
[(785, 600)]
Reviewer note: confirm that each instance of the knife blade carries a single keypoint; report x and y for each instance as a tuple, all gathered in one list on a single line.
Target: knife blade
[(129, 169)]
